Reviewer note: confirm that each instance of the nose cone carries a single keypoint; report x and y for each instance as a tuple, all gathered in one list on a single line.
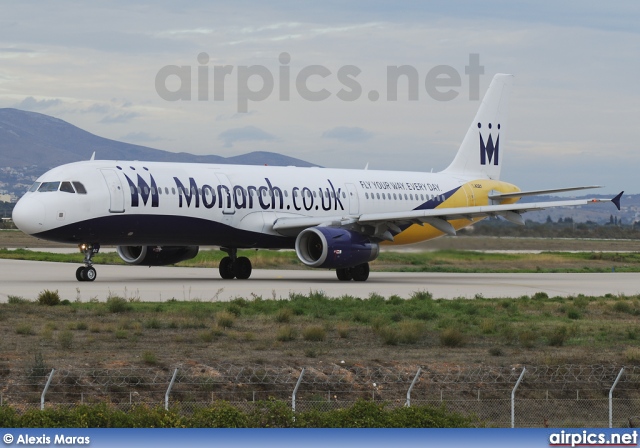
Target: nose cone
[(28, 215)]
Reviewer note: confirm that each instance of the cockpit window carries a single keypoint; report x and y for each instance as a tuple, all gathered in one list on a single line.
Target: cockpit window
[(49, 186), (79, 188), (34, 187), (66, 187)]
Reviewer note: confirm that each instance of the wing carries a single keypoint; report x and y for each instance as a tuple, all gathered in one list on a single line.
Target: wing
[(388, 224)]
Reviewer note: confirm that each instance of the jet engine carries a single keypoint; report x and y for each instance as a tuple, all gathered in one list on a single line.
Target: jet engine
[(330, 247), (156, 255)]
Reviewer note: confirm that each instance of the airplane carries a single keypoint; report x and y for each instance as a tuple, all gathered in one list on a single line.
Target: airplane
[(160, 213)]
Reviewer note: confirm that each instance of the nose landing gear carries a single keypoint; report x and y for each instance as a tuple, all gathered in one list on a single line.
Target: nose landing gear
[(87, 273)]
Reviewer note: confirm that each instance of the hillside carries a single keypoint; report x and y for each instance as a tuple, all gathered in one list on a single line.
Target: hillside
[(31, 143)]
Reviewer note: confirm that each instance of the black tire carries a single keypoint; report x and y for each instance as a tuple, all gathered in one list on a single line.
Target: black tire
[(89, 274), (243, 268), (361, 272), (79, 273), (226, 268), (344, 274)]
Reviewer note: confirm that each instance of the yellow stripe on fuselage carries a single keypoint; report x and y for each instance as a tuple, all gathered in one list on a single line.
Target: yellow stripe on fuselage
[(471, 194)]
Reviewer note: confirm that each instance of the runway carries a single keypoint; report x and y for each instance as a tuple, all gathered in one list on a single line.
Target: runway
[(28, 278)]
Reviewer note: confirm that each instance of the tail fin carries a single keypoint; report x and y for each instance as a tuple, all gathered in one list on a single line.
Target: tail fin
[(479, 154)]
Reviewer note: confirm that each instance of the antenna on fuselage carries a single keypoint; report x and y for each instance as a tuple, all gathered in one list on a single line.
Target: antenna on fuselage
[(93, 156), (366, 167)]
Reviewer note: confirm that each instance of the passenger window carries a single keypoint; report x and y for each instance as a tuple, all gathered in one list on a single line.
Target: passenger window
[(34, 187), (66, 187), (49, 186), (79, 188)]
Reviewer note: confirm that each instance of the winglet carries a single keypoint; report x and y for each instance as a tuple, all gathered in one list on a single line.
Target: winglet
[(616, 200)]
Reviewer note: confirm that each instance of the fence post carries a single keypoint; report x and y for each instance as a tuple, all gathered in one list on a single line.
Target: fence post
[(611, 398), (46, 387), (513, 398), (166, 396), (295, 391), (415, 378)]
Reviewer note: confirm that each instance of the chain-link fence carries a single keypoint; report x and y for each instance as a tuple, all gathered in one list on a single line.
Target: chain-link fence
[(531, 396)]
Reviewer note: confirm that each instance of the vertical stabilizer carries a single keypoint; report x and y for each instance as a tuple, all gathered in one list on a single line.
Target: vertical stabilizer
[(480, 154)]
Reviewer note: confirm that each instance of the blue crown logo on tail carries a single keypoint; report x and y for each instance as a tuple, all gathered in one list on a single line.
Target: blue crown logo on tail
[(489, 152)]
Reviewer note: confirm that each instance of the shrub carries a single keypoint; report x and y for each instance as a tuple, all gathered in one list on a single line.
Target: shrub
[(343, 330), (49, 298), (622, 307), (284, 315), (528, 338), (16, 300), (488, 326), (314, 333), (117, 304), (389, 335), (225, 319), (496, 351), (410, 332), (234, 309), (153, 324), (573, 313), (149, 358), (24, 329), (558, 336), (286, 334), (65, 339), (421, 295), (451, 337), (540, 296), (632, 355)]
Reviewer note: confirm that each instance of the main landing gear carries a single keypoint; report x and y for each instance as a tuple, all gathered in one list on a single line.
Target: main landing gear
[(87, 273), (234, 266), (358, 273)]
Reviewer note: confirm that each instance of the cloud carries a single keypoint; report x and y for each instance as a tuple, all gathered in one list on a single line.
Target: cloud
[(123, 117), (97, 109), (16, 50), (32, 104), (247, 133), (348, 134)]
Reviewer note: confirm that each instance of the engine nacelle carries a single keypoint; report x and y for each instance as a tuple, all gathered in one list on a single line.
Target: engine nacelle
[(156, 255), (330, 247)]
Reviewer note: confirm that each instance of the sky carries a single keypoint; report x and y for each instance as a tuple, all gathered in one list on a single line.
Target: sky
[(310, 79)]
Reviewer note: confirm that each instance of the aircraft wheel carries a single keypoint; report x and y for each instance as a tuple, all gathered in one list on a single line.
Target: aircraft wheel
[(89, 274), (79, 273), (361, 272), (226, 268), (344, 274), (243, 268)]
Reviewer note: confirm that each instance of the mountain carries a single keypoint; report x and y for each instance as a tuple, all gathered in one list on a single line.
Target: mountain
[(32, 143)]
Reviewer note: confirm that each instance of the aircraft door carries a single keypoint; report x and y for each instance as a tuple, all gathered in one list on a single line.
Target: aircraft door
[(115, 191), (225, 194), (354, 205)]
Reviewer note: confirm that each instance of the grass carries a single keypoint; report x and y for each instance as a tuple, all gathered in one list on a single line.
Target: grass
[(447, 260), (316, 328)]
